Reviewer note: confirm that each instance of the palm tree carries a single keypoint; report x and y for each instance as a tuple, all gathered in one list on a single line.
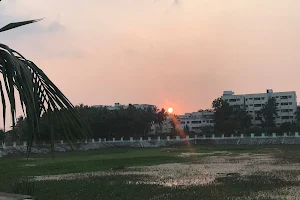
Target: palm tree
[(37, 93)]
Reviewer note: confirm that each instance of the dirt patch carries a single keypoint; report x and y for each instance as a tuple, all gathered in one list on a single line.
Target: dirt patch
[(183, 174), (201, 154)]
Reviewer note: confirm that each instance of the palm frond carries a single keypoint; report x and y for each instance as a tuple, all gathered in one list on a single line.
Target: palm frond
[(37, 93), (17, 24)]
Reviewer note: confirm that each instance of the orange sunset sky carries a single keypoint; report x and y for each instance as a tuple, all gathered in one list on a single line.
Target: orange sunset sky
[(170, 53)]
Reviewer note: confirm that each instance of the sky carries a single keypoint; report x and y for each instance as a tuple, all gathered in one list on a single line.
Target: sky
[(170, 53)]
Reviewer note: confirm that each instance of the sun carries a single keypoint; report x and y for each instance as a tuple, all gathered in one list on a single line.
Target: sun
[(170, 110)]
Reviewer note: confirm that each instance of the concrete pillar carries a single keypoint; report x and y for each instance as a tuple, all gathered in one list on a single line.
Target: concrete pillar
[(252, 135), (122, 139), (114, 139), (187, 137), (141, 139), (204, 136), (3, 145), (93, 140), (274, 134), (263, 135), (24, 143), (196, 136), (232, 135), (61, 142), (296, 134), (99, 140), (149, 138), (177, 138), (213, 136), (85, 141), (284, 134), (104, 139), (131, 139), (223, 136), (14, 144), (168, 138), (158, 138)]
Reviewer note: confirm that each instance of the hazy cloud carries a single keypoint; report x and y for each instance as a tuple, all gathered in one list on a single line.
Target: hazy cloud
[(176, 2), (39, 28)]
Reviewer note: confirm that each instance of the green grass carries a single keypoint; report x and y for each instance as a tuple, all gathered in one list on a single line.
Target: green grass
[(13, 170)]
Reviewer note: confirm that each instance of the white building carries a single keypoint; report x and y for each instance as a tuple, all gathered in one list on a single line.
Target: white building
[(195, 120), (286, 102), (165, 127), (118, 106)]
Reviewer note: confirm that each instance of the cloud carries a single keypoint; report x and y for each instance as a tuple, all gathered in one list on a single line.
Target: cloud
[(39, 28), (176, 2)]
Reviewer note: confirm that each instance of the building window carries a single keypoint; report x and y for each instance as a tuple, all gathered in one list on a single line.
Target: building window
[(188, 122), (290, 96), (291, 117), (284, 110), (290, 103), (182, 122), (251, 105), (285, 117), (258, 118), (291, 110), (284, 104), (277, 97), (257, 98), (238, 99), (263, 98), (232, 100), (257, 105), (250, 98), (250, 111), (283, 97), (194, 122)]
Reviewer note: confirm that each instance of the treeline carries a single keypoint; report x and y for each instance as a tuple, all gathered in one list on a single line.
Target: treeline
[(235, 119), (123, 122)]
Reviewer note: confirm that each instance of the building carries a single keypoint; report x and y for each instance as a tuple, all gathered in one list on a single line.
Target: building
[(118, 106), (286, 104), (164, 128), (196, 120)]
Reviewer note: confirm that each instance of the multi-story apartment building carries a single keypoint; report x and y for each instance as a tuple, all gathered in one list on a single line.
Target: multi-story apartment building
[(118, 106), (195, 120), (286, 104)]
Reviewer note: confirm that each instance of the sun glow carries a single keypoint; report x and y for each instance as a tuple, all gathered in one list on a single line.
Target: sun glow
[(170, 110)]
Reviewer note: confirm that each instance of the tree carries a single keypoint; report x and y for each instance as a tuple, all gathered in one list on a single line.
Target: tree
[(268, 113), (229, 119), (223, 116), (186, 129), (2, 135), (38, 94), (242, 118), (287, 127), (297, 113), (101, 122)]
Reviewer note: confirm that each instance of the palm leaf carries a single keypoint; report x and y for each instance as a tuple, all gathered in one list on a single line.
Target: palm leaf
[(38, 94), (17, 24)]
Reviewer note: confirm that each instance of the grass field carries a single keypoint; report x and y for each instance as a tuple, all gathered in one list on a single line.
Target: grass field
[(219, 172)]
